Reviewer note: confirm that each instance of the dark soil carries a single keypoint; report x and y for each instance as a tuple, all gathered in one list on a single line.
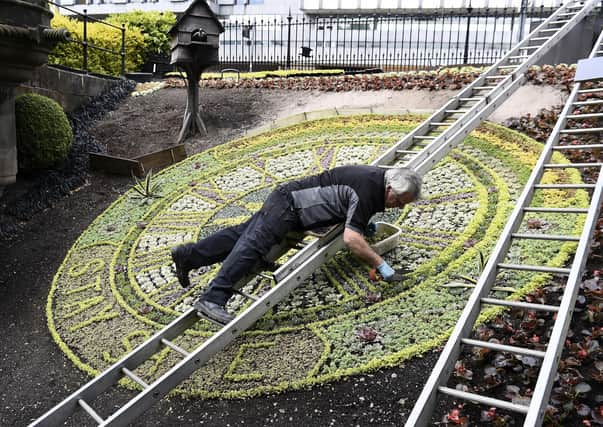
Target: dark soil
[(142, 125), (35, 374)]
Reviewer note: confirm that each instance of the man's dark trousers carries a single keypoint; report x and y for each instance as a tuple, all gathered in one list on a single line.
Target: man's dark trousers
[(243, 247)]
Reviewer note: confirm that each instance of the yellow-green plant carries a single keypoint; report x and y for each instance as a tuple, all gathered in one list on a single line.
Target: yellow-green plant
[(104, 36)]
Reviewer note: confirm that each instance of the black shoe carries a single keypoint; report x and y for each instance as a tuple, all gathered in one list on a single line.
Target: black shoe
[(179, 254), (213, 311)]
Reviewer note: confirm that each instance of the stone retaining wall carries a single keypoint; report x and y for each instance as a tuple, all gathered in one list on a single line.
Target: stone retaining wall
[(69, 88)]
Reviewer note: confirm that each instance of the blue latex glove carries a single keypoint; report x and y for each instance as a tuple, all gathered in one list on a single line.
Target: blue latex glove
[(371, 229), (387, 273)]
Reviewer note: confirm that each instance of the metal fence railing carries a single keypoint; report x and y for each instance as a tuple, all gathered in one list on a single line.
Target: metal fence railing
[(85, 18), (388, 42)]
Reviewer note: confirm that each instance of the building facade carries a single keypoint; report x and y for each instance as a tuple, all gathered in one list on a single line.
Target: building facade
[(309, 8)]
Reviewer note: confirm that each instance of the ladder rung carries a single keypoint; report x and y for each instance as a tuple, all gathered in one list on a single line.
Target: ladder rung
[(519, 57), (470, 99), (174, 347), (246, 295), (507, 67), (573, 165), (484, 87), (563, 186), (503, 347), (548, 30), (455, 111), (585, 130), (520, 304), (90, 411), (134, 377), (535, 236), (595, 90), (424, 137), (559, 22), (502, 77), (556, 210), (595, 102), (441, 123), (584, 116), (209, 319), (539, 268), (263, 275), (530, 47), (406, 152), (489, 401), (539, 38)]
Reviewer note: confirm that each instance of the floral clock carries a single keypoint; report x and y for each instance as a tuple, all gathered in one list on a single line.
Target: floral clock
[(116, 286)]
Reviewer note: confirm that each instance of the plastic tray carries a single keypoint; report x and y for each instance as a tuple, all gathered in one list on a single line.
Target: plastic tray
[(391, 240)]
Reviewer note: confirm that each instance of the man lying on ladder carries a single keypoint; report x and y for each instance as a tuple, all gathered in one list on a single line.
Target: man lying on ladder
[(347, 194)]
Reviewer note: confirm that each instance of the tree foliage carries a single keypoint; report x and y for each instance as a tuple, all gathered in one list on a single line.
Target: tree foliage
[(154, 27)]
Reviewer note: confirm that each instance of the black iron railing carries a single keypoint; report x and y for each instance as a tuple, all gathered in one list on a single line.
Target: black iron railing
[(388, 42), (87, 45)]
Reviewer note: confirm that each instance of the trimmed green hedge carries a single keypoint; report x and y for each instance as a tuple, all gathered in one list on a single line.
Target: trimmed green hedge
[(44, 134), (104, 36)]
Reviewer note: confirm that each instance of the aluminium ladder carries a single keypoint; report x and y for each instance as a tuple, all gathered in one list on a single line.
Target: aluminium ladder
[(458, 116), (570, 116)]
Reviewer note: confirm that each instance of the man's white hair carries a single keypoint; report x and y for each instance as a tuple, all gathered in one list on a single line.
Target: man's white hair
[(402, 180)]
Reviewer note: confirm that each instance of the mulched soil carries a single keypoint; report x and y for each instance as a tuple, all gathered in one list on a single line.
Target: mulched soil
[(36, 374)]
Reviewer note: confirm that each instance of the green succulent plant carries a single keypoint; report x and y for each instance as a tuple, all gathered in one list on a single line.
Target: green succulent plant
[(146, 188)]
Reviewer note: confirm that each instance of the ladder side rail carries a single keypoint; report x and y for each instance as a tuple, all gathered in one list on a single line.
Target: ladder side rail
[(389, 156), (421, 413), (598, 47), (163, 385), (544, 383), (89, 391), (564, 30), (423, 163), (301, 256), (505, 87)]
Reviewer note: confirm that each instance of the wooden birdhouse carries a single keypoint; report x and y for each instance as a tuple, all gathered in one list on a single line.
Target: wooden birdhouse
[(195, 42), (195, 36)]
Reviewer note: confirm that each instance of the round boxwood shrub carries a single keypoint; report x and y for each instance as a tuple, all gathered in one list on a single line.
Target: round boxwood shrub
[(44, 134)]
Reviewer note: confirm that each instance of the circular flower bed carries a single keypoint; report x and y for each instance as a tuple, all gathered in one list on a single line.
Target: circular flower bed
[(117, 286)]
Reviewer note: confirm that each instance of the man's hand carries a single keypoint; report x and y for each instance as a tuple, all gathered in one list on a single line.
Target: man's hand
[(357, 244), (387, 273), (390, 275)]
